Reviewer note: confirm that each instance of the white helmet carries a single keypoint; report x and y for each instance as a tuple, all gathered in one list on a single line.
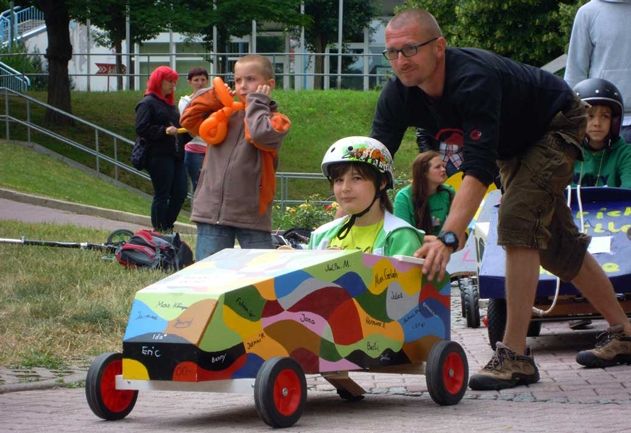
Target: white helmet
[(365, 150)]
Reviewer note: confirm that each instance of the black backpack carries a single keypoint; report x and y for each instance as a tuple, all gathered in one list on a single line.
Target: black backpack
[(139, 154), (149, 249)]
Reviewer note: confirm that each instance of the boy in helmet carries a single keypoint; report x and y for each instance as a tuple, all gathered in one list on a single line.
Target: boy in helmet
[(360, 172), (606, 156)]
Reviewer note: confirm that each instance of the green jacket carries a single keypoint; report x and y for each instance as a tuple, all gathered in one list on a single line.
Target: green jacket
[(610, 167), (439, 205), (396, 236)]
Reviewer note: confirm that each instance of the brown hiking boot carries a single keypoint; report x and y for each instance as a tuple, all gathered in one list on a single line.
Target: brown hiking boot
[(613, 347), (506, 369)]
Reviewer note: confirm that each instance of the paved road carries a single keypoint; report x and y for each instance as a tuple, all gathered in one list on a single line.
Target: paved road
[(568, 397), (31, 213)]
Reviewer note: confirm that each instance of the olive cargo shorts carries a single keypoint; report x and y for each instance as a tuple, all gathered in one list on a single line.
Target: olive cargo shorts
[(533, 212)]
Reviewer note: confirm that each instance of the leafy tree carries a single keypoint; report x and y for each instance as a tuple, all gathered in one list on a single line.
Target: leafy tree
[(58, 54), (323, 28), (147, 20), (234, 18), (530, 31)]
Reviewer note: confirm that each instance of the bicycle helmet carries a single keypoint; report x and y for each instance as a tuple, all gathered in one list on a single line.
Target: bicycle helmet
[(597, 91), (365, 150)]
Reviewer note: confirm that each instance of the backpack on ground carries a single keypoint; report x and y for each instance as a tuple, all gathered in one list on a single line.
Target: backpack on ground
[(149, 249)]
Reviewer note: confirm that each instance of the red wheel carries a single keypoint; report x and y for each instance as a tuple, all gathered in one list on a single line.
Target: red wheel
[(100, 388), (280, 392), (447, 373)]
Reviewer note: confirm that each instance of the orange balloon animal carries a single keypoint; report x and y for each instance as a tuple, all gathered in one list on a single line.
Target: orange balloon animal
[(215, 128)]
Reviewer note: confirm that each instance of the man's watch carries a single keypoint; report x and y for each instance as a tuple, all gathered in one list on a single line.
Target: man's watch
[(449, 239)]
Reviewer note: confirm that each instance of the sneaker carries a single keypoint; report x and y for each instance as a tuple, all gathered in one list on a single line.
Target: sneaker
[(506, 369), (613, 347)]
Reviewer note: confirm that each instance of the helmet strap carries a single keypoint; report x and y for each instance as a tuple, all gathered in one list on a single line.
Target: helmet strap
[(346, 228)]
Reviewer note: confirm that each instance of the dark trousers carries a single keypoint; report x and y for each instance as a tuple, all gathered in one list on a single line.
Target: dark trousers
[(168, 177)]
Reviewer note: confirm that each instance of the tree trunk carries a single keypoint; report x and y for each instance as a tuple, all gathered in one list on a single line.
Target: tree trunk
[(318, 79), (58, 54), (118, 49)]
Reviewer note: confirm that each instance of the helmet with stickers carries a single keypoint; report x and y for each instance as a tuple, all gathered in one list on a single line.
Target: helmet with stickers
[(359, 149)]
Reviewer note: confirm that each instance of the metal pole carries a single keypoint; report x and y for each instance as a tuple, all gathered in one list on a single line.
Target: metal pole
[(6, 110), (128, 42), (11, 23), (89, 26), (97, 147), (215, 66), (367, 58), (340, 23), (136, 66), (172, 50), (253, 38), (301, 66), (28, 121)]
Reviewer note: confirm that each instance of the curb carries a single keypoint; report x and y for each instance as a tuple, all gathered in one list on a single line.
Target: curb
[(84, 209), (57, 382)]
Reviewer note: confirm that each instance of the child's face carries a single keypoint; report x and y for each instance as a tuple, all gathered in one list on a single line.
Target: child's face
[(353, 192), (198, 82), (249, 79), (598, 125), (436, 173)]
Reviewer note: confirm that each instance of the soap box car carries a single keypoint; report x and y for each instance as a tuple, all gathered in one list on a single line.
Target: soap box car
[(259, 320), (603, 213)]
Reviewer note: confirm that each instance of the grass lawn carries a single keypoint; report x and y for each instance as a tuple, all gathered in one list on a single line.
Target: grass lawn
[(25, 170), (61, 304)]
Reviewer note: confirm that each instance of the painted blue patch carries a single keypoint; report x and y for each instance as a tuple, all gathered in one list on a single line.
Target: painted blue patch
[(143, 320), (426, 319), (252, 365), (287, 283), (352, 283)]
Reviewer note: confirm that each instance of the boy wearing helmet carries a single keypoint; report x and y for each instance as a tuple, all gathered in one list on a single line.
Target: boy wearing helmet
[(360, 172), (607, 157)]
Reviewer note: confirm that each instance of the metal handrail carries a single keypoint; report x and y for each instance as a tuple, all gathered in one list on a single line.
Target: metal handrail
[(9, 119), (13, 79), (20, 17)]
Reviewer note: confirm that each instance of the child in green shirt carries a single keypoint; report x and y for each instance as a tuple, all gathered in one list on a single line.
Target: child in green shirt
[(360, 172), (606, 156)]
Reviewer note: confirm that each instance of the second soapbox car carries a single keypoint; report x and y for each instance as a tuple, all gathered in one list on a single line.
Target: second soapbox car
[(603, 213), (259, 320)]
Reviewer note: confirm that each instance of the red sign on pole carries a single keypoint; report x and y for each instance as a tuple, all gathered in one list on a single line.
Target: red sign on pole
[(109, 68)]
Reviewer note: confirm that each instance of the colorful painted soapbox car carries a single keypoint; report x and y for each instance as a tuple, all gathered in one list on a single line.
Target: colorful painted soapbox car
[(259, 320), (604, 214)]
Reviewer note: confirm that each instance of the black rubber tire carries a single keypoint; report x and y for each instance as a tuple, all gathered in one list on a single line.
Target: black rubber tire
[(496, 314), (280, 392), (105, 401), (119, 237), (534, 328), (461, 284), (471, 303), (345, 395), (447, 373)]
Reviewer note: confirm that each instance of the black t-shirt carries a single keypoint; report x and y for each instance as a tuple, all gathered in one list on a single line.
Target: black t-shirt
[(493, 106)]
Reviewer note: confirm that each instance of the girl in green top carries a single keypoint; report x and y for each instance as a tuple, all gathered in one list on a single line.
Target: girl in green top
[(426, 202), (360, 172)]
